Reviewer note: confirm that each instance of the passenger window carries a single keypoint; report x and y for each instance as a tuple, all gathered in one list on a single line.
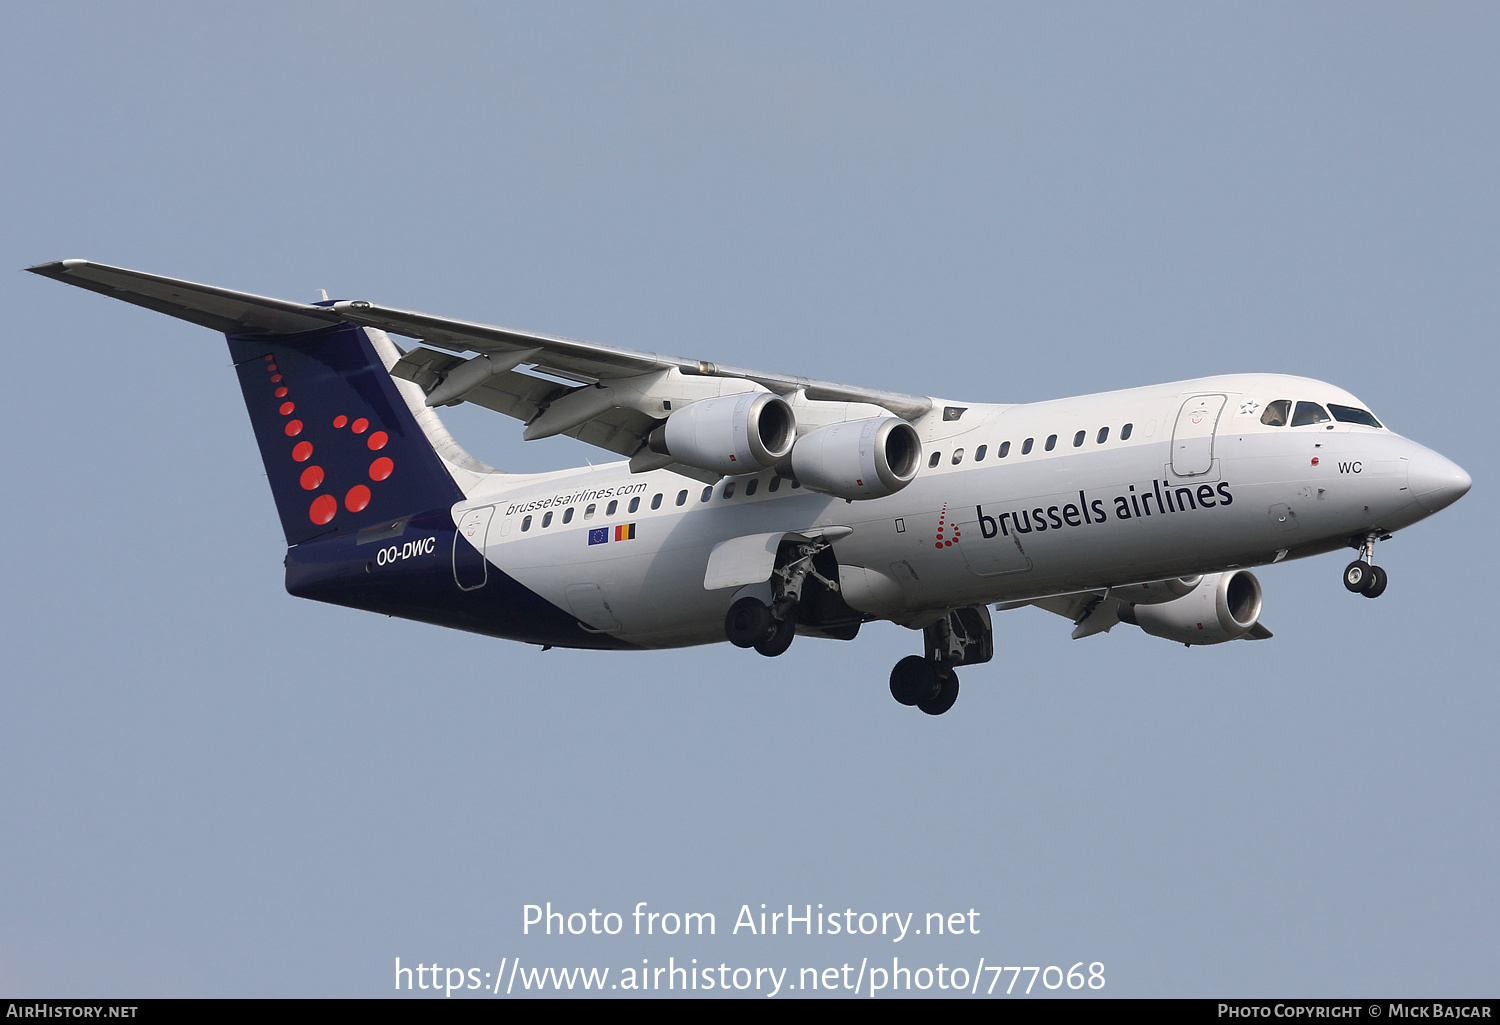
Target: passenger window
[(774, 486), (1004, 450), (1352, 415), (656, 500), (708, 493), (588, 513), (958, 456), (682, 498), (1125, 432), (1308, 413), (1276, 413), (1051, 442), (937, 457), (1103, 436), (729, 490), (1026, 446), (568, 514), (610, 509), (526, 524), (979, 453), (635, 503), (547, 520), (750, 487), (1078, 439)]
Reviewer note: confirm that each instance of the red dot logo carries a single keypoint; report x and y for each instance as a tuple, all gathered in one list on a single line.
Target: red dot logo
[(270, 358), (302, 452), (311, 478), (357, 498), (340, 421), (281, 392), (275, 378), (287, 407), (377, 441), (381, 468), (938, 545), (360, 426), (322, 509), (293, 428)]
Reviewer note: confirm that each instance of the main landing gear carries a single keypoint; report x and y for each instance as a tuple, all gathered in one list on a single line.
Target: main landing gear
[(751, 623), (931, 687), (1362, 576), (962, 637), (770, 629)]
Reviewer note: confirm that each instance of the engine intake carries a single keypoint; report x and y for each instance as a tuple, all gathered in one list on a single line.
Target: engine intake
[(1223, 607), (859, 459), (732, 434)]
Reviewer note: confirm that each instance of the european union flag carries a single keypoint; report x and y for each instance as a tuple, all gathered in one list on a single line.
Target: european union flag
[(599, 535)]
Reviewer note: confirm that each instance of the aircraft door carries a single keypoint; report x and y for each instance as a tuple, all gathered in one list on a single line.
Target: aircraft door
[(470, 570), (1193, 438), (992, 553)]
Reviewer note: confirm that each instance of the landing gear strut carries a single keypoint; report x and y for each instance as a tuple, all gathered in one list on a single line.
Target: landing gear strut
[(1362, 576), (962, 637)]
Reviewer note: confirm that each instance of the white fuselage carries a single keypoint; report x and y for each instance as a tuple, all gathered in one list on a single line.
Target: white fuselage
[(1199, 485)]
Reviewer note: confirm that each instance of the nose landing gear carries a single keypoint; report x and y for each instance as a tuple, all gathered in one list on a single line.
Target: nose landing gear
[(1362, 576)]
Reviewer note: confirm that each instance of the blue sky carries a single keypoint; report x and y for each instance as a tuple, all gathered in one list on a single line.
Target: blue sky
[(212, 788)]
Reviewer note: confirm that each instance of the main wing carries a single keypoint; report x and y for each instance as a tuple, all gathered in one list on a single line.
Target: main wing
[(604, 395)]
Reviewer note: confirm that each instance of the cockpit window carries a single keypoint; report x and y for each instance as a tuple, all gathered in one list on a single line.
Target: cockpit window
[(1309, 413), (1276, 413), (1352, 415)]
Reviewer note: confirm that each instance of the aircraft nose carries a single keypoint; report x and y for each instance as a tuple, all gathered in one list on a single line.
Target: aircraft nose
[(1436, 482)]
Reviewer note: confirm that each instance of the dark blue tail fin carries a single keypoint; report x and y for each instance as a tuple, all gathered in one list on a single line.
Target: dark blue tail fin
[(341, 448)]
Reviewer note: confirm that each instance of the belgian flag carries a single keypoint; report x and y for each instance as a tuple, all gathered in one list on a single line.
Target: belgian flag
[(625, 532)]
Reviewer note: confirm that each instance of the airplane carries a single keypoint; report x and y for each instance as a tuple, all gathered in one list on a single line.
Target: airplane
[(755, 507)]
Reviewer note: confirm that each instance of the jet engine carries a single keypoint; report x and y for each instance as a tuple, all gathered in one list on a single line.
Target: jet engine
[(858, 459), (1223, 607), (732, 434)]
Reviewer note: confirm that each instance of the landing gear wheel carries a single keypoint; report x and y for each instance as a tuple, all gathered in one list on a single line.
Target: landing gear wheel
[(782, 635), (1375, 587), (945, 698), (1357, 576), (915, 680), (748, 622)]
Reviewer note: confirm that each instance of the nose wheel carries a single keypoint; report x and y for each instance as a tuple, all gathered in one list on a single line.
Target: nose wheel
[(1362, 576)]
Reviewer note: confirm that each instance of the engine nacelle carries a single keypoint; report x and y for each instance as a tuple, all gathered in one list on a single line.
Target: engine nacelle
[(1156, 592), (732, 434), (858, 459), (1223, 607)]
